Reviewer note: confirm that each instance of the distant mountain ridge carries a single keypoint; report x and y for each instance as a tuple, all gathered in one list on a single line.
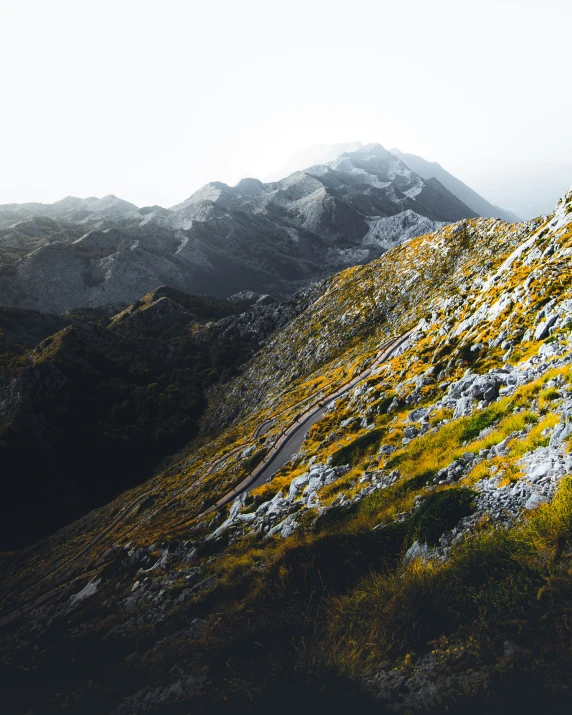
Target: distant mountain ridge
[(271, 238), (324, 153), (431, 169)]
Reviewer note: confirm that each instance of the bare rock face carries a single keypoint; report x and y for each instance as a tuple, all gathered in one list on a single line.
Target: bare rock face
[(270, 238)]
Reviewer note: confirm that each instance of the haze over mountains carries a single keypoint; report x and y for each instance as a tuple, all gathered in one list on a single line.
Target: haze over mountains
[(316, 154), (286, 436), (526, 189), (271, 238), (431, 169)]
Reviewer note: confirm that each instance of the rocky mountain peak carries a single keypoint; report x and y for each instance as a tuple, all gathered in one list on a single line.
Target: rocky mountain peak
[(273, 238)]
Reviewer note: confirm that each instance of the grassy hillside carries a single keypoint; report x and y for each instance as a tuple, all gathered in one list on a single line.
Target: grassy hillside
[(413, 556)]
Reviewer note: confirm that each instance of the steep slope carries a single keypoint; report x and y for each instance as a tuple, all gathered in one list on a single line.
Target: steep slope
[(414, 550), (271, 238), (431, 169), (89, 406)]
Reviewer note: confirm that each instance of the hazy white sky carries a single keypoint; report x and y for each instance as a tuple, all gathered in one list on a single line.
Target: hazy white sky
[(150, 100)]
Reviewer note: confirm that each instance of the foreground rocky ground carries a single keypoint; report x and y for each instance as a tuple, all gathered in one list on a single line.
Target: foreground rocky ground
[(413, 556)]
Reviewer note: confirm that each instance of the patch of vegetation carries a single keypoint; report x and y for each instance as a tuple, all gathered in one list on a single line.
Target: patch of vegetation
[(478, 422), (535, 438), (254, 460), (433, 451), (550, 394), (356, 450), (500, 584), (439, 513), (383, 404)]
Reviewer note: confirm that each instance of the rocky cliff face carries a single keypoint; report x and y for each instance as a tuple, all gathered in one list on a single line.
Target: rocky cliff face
[(271, 238), (412, 554)]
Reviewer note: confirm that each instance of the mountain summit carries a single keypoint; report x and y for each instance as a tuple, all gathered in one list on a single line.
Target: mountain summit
[(271, 238)]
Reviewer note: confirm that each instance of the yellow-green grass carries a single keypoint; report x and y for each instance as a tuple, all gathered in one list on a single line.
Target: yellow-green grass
[(494, 581)]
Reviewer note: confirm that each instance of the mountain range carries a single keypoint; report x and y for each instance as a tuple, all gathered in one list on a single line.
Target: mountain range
[(354, 497), (270, 238), (359, 498)]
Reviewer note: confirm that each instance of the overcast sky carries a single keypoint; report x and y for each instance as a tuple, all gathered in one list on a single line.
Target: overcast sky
[(150, 100)]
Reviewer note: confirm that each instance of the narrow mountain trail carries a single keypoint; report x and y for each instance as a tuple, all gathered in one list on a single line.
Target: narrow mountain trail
[(289, 440), (286, 444)]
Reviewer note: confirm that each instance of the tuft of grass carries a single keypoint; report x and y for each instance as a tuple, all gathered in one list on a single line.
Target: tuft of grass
[(382, 616), (382, 404), (534, 439), (439, 513), (550, 529), (358, 448), (546, 398), (474, 425)]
